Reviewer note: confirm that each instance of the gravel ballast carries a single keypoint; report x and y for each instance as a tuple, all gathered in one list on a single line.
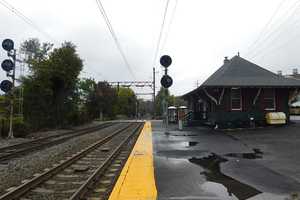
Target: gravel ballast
[(41, 134), (15, 171)]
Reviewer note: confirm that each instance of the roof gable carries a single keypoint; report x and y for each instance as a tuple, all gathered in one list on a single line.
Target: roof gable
[(241, 72)]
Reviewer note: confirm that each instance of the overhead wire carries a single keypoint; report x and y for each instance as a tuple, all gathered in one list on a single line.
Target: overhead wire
[(266, 25), (170, 25), (279, 46), (26, 19), (160, 33), (114, 36), (277, 31)]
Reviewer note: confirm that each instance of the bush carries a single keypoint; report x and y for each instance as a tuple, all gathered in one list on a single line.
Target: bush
[(20, 128)]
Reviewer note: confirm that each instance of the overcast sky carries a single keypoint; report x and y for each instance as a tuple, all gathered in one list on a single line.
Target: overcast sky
[(200, 34)]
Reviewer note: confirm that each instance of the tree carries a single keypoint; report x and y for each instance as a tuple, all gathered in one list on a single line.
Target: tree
[(101, 102), (50, 90), (127, 102), (34, 50), (145, 108), (179, 101), (160, 97)]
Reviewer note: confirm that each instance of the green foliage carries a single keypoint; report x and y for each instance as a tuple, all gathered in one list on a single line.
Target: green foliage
[(34, 50), (50, 91), (55, 97), (171, 99), (4, 105), (101, 102), (145, 108), (178, 101), (162, 95), (20, 128), (126, 104)]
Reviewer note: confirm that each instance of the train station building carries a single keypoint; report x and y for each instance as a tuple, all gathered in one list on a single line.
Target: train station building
[(240, 92)]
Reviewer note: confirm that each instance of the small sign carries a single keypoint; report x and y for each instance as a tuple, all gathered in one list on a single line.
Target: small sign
[(166, 61), (8, 44), (7, 65), (6, 85), (166, 81)]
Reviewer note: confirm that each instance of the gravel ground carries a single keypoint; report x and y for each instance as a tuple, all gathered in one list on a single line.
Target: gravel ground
[(12, 173), (7, 142)]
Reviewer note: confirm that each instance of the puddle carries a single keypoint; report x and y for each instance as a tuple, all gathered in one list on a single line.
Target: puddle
[(190, 135), (182, 154), (188, 144), (244, 155), (257, 151), (257, 154), (215, 178), (191, 144)]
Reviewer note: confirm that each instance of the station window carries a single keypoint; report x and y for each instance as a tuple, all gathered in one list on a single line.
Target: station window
[(269, 99), (236, 99)]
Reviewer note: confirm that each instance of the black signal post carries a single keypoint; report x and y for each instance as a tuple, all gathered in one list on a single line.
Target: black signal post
[(7, 86), (166, 81)]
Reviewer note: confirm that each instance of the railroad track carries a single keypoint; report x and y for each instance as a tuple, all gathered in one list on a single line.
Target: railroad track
[(89, 173), (14, 151)]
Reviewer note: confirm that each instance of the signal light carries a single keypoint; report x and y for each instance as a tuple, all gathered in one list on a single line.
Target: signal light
[(8, 44), (7, 65), (6, 85)]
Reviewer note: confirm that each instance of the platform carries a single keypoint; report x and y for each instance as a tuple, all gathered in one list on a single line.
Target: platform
[(136, 180), (203, 164)]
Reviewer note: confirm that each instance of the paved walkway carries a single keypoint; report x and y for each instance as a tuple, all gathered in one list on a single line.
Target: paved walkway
[(136, 181), (203, 164)]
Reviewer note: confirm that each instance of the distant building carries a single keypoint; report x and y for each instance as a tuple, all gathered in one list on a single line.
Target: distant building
[(295, 106), (295, 74), (241, 91)]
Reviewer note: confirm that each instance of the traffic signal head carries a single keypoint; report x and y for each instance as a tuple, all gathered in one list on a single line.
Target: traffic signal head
[(166, 81), (8, 44), (6, 86), (7, 65), (166, 61)]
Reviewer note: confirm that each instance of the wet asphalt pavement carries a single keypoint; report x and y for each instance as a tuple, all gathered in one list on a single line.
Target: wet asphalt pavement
[(202, 164)]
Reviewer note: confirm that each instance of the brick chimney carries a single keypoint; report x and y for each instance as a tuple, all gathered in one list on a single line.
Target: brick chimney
[(226, 60)]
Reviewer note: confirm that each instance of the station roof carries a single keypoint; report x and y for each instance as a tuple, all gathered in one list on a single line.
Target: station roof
[(239, 72)]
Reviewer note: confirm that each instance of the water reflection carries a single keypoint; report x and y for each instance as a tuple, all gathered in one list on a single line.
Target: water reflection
[(244, 155), (212, 172), (191, 144)]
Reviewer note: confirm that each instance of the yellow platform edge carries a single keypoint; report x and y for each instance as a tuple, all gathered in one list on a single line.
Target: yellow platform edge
[(136, 181)]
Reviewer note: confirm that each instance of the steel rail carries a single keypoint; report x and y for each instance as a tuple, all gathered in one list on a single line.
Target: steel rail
[(27, 186), (49, 137), (28, 147), (92, 180)]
